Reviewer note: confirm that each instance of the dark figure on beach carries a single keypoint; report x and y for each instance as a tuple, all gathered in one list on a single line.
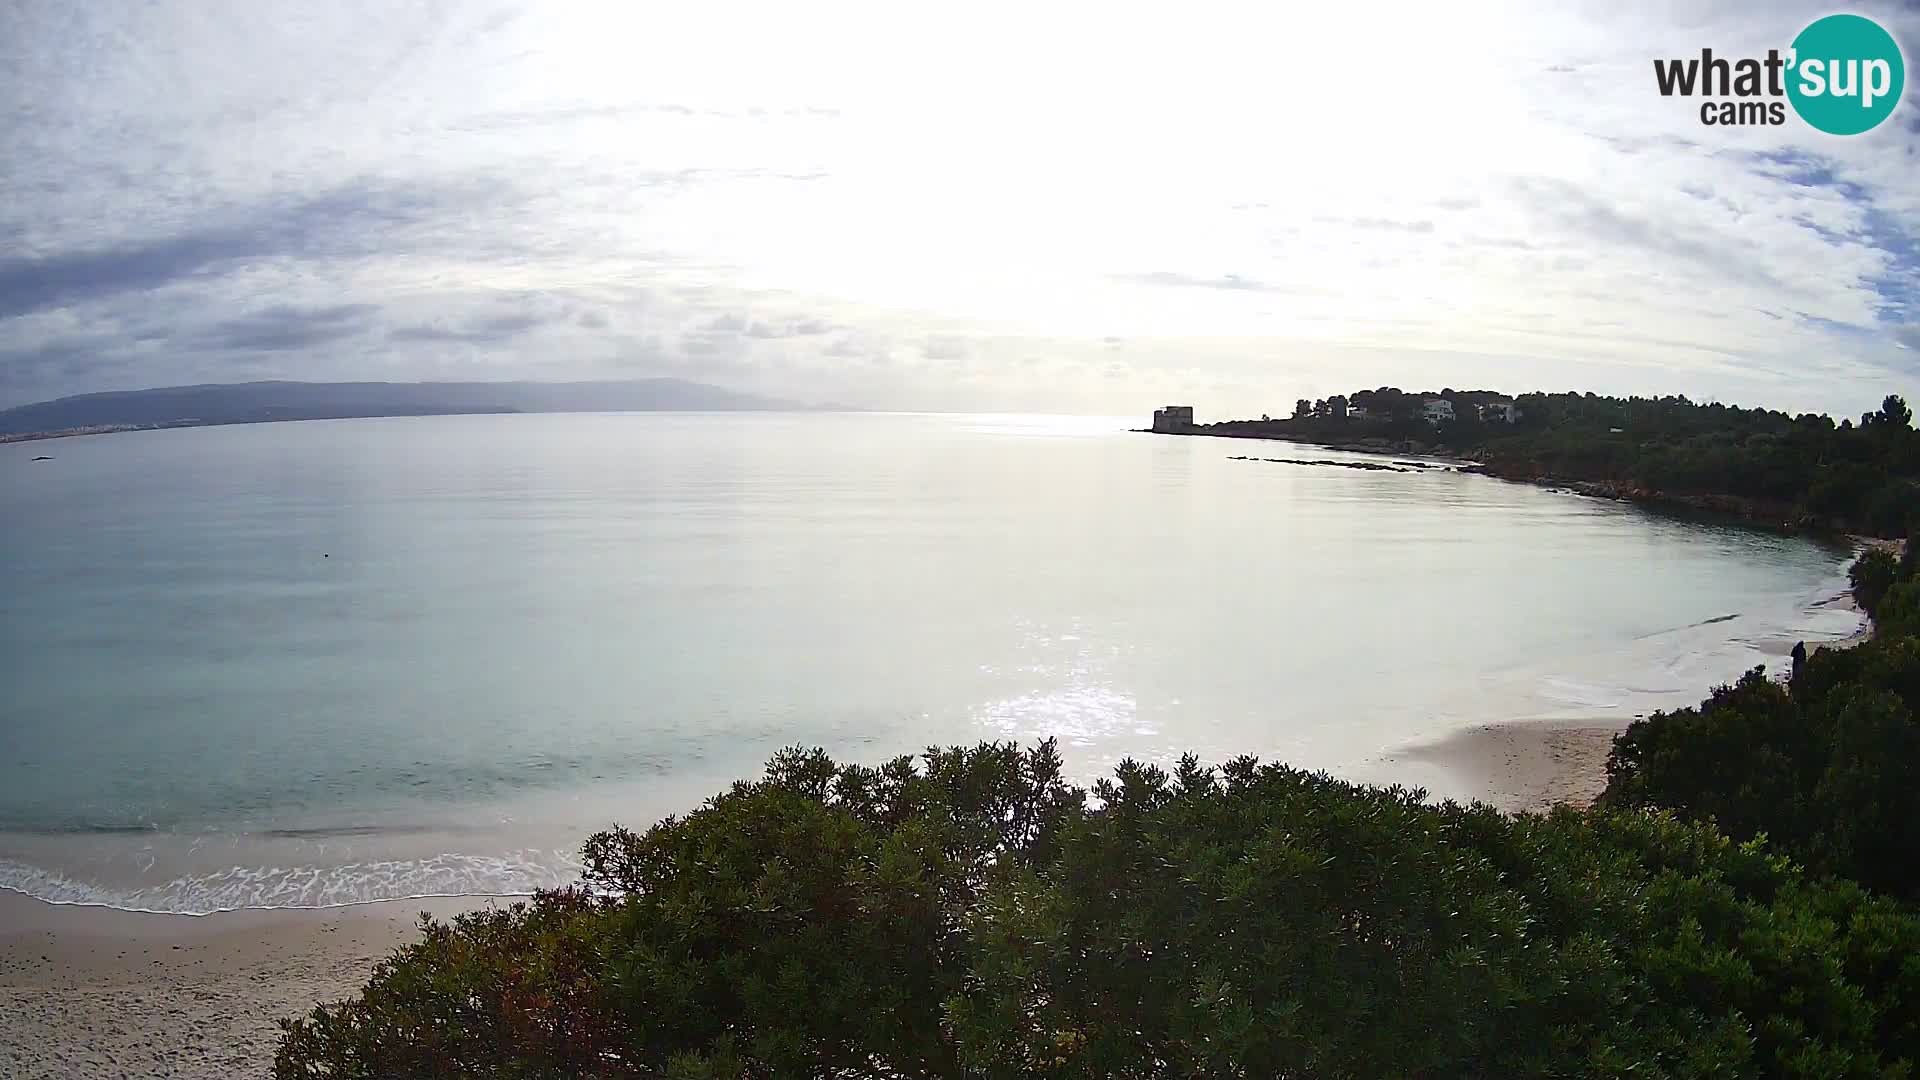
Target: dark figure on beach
[(1799, 659)]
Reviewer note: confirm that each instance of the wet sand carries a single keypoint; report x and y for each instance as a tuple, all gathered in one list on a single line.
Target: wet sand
[(89, 992), (1525, 766)]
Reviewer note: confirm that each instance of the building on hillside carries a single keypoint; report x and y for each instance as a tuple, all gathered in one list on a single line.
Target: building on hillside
[(1436, 410), (1499, 412), (1359, 412), (1173, 418)]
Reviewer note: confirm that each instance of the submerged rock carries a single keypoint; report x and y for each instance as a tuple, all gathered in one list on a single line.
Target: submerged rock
[(1365, 466)]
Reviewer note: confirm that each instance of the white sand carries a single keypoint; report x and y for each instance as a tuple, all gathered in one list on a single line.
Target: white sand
[(96, 993)]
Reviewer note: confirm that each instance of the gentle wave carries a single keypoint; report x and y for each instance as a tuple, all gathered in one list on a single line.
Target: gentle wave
[(323, 832), (515, 873), (330, 832)]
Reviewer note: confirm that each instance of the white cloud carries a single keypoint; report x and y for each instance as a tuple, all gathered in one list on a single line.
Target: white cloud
[(1057, 207)]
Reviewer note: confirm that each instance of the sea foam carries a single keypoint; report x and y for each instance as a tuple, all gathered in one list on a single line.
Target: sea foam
[(514, 873)]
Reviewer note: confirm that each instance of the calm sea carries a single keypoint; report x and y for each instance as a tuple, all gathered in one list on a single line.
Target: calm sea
[(319, 663)]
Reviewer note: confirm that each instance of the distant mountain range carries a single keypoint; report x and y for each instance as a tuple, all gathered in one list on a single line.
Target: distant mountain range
[(262, 402)]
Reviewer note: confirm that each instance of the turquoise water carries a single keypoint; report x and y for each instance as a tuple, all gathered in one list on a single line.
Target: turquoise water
[(334, 661)]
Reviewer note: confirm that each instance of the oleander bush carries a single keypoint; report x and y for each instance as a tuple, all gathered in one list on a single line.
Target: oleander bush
[(969, 914)]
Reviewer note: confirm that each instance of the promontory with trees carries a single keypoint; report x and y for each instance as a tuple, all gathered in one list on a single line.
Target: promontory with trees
[(1743, 900), (1806, 470)]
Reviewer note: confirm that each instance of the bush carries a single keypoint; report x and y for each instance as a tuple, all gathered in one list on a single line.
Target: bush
[(802, 924), (971, 915), (1827, 768), (1871, 575), (1899, 610)]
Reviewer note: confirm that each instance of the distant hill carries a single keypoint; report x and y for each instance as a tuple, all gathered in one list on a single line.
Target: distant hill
[(261, 402)]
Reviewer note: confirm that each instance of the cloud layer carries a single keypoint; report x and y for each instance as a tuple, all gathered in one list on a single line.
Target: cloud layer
[(1078, 208)]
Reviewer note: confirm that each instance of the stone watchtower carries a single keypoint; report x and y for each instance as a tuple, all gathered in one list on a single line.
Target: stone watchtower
[(1173, 418)]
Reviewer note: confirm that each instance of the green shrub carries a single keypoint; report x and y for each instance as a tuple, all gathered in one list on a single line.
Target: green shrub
[(972, 916), (1827, 767), (1871, 575)]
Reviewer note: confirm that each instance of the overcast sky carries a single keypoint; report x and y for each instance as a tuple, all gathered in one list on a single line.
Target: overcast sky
[(1031, 206)]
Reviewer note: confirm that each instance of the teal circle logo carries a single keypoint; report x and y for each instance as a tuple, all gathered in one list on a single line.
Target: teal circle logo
[(1847, 74)]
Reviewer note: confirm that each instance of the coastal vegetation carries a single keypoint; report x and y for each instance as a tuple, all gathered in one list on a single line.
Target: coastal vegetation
[(1824, 767), (1740, 904), (1801, 470)]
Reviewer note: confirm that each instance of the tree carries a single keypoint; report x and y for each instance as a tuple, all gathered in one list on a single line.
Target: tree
[(1302, 409), (1870, 576), (970, 915), (1827, 767)]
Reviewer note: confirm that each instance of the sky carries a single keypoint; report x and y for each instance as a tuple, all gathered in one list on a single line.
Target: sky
[(1094, 208)]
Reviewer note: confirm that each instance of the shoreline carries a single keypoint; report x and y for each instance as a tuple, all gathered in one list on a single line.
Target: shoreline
[(1532, 764), (95, 991), (1523, 766), (1734, 508), (1379, 448)]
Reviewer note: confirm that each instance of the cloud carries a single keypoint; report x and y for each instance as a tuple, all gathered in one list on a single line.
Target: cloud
[(28, 285), (1232, 282), (52, 361), (348, 221), (399, 192), (789, 328), (289, 327), (481, 332), (945, 347), (1391, 225), (1569, 208)]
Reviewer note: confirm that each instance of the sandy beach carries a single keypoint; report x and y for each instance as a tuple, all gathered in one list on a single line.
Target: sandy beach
[(89, 992), (1533, 765), (1525, 766)]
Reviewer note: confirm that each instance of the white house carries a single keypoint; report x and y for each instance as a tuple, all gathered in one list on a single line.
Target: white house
[(1436, 410), (1499, 411)]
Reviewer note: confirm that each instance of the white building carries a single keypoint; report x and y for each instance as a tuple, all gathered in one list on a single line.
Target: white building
[(1436, 410), (1499, 412)]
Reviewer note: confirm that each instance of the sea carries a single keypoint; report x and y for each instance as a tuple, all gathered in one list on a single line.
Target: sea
[(330, 662)]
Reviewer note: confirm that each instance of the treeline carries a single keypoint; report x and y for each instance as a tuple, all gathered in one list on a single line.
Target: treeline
[(1802, 470), (970, 914), (1825, 767)]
